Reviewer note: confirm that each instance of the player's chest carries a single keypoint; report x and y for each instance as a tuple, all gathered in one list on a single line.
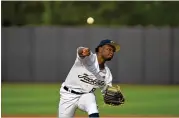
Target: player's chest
[(89, 78)]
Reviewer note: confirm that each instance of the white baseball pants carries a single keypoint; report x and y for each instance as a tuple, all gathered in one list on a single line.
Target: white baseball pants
[(69, 102)]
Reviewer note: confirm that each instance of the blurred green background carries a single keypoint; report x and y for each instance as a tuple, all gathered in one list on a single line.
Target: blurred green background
[(43, 99), (75, 13)]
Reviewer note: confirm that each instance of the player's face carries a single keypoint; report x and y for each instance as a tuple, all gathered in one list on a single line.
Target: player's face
[(107, 52)]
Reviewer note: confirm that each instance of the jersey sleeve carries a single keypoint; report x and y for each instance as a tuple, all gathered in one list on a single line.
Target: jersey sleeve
[(109, 78), (108, 82), (88, 60), (105, 87)]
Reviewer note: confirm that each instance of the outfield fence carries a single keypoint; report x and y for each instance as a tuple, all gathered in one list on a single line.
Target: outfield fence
[(148, 55)]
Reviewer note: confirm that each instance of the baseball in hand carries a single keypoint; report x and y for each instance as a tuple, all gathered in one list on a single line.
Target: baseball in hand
[(90, 20)]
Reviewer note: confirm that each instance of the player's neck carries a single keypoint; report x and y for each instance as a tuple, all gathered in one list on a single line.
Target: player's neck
[(101, 60)]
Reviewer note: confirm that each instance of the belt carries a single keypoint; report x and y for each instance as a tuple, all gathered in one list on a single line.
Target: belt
[(72, 91), (78, 93)]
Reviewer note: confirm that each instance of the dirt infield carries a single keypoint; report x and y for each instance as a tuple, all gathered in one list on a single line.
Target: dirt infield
[(100, 117)]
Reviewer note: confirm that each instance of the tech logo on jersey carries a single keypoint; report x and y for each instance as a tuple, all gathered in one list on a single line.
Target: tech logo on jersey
[(86, 79)]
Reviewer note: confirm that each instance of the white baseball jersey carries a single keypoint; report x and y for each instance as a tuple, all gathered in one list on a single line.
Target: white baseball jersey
[(86, 75)]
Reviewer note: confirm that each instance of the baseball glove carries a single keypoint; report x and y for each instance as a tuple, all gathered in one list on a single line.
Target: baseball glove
[(113, 96)]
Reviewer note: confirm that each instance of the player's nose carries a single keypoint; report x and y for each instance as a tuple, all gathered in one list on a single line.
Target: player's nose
[(111, 54)]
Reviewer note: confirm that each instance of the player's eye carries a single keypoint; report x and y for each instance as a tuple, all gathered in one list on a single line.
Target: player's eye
[(109, 49)]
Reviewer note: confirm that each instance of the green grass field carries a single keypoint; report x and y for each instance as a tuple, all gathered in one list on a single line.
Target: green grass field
[(43, 99)]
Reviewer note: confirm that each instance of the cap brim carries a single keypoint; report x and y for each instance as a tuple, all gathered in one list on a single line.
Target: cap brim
[(117, 46)]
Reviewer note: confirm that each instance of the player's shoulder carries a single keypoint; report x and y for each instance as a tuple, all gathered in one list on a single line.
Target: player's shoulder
[(107, 67)]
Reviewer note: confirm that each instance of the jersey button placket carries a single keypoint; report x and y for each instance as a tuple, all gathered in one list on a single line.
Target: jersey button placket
[(69, 90)]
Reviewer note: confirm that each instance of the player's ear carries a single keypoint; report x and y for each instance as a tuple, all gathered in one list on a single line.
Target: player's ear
[(100, 49)]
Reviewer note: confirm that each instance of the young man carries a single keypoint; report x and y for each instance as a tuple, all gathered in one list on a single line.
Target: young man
[(88, 73)]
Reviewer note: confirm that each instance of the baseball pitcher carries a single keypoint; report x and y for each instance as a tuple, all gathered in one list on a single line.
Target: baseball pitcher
[(88, 73)]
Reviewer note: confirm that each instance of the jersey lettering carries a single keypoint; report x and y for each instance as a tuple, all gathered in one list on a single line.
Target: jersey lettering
[(85, 78)]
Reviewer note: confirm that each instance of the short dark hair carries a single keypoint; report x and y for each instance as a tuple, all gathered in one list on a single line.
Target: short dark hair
[(108, 42), (97, 49)]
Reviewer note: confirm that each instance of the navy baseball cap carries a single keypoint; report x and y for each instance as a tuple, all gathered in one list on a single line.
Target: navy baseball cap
[(110, 42)]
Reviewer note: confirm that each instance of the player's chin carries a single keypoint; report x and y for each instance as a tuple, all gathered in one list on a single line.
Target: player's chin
[(109, 58)]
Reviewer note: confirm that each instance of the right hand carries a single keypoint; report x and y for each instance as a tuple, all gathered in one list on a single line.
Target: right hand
[(85, 52)]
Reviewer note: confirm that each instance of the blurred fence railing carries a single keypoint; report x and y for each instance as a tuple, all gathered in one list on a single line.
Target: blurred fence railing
[(46, 54)]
